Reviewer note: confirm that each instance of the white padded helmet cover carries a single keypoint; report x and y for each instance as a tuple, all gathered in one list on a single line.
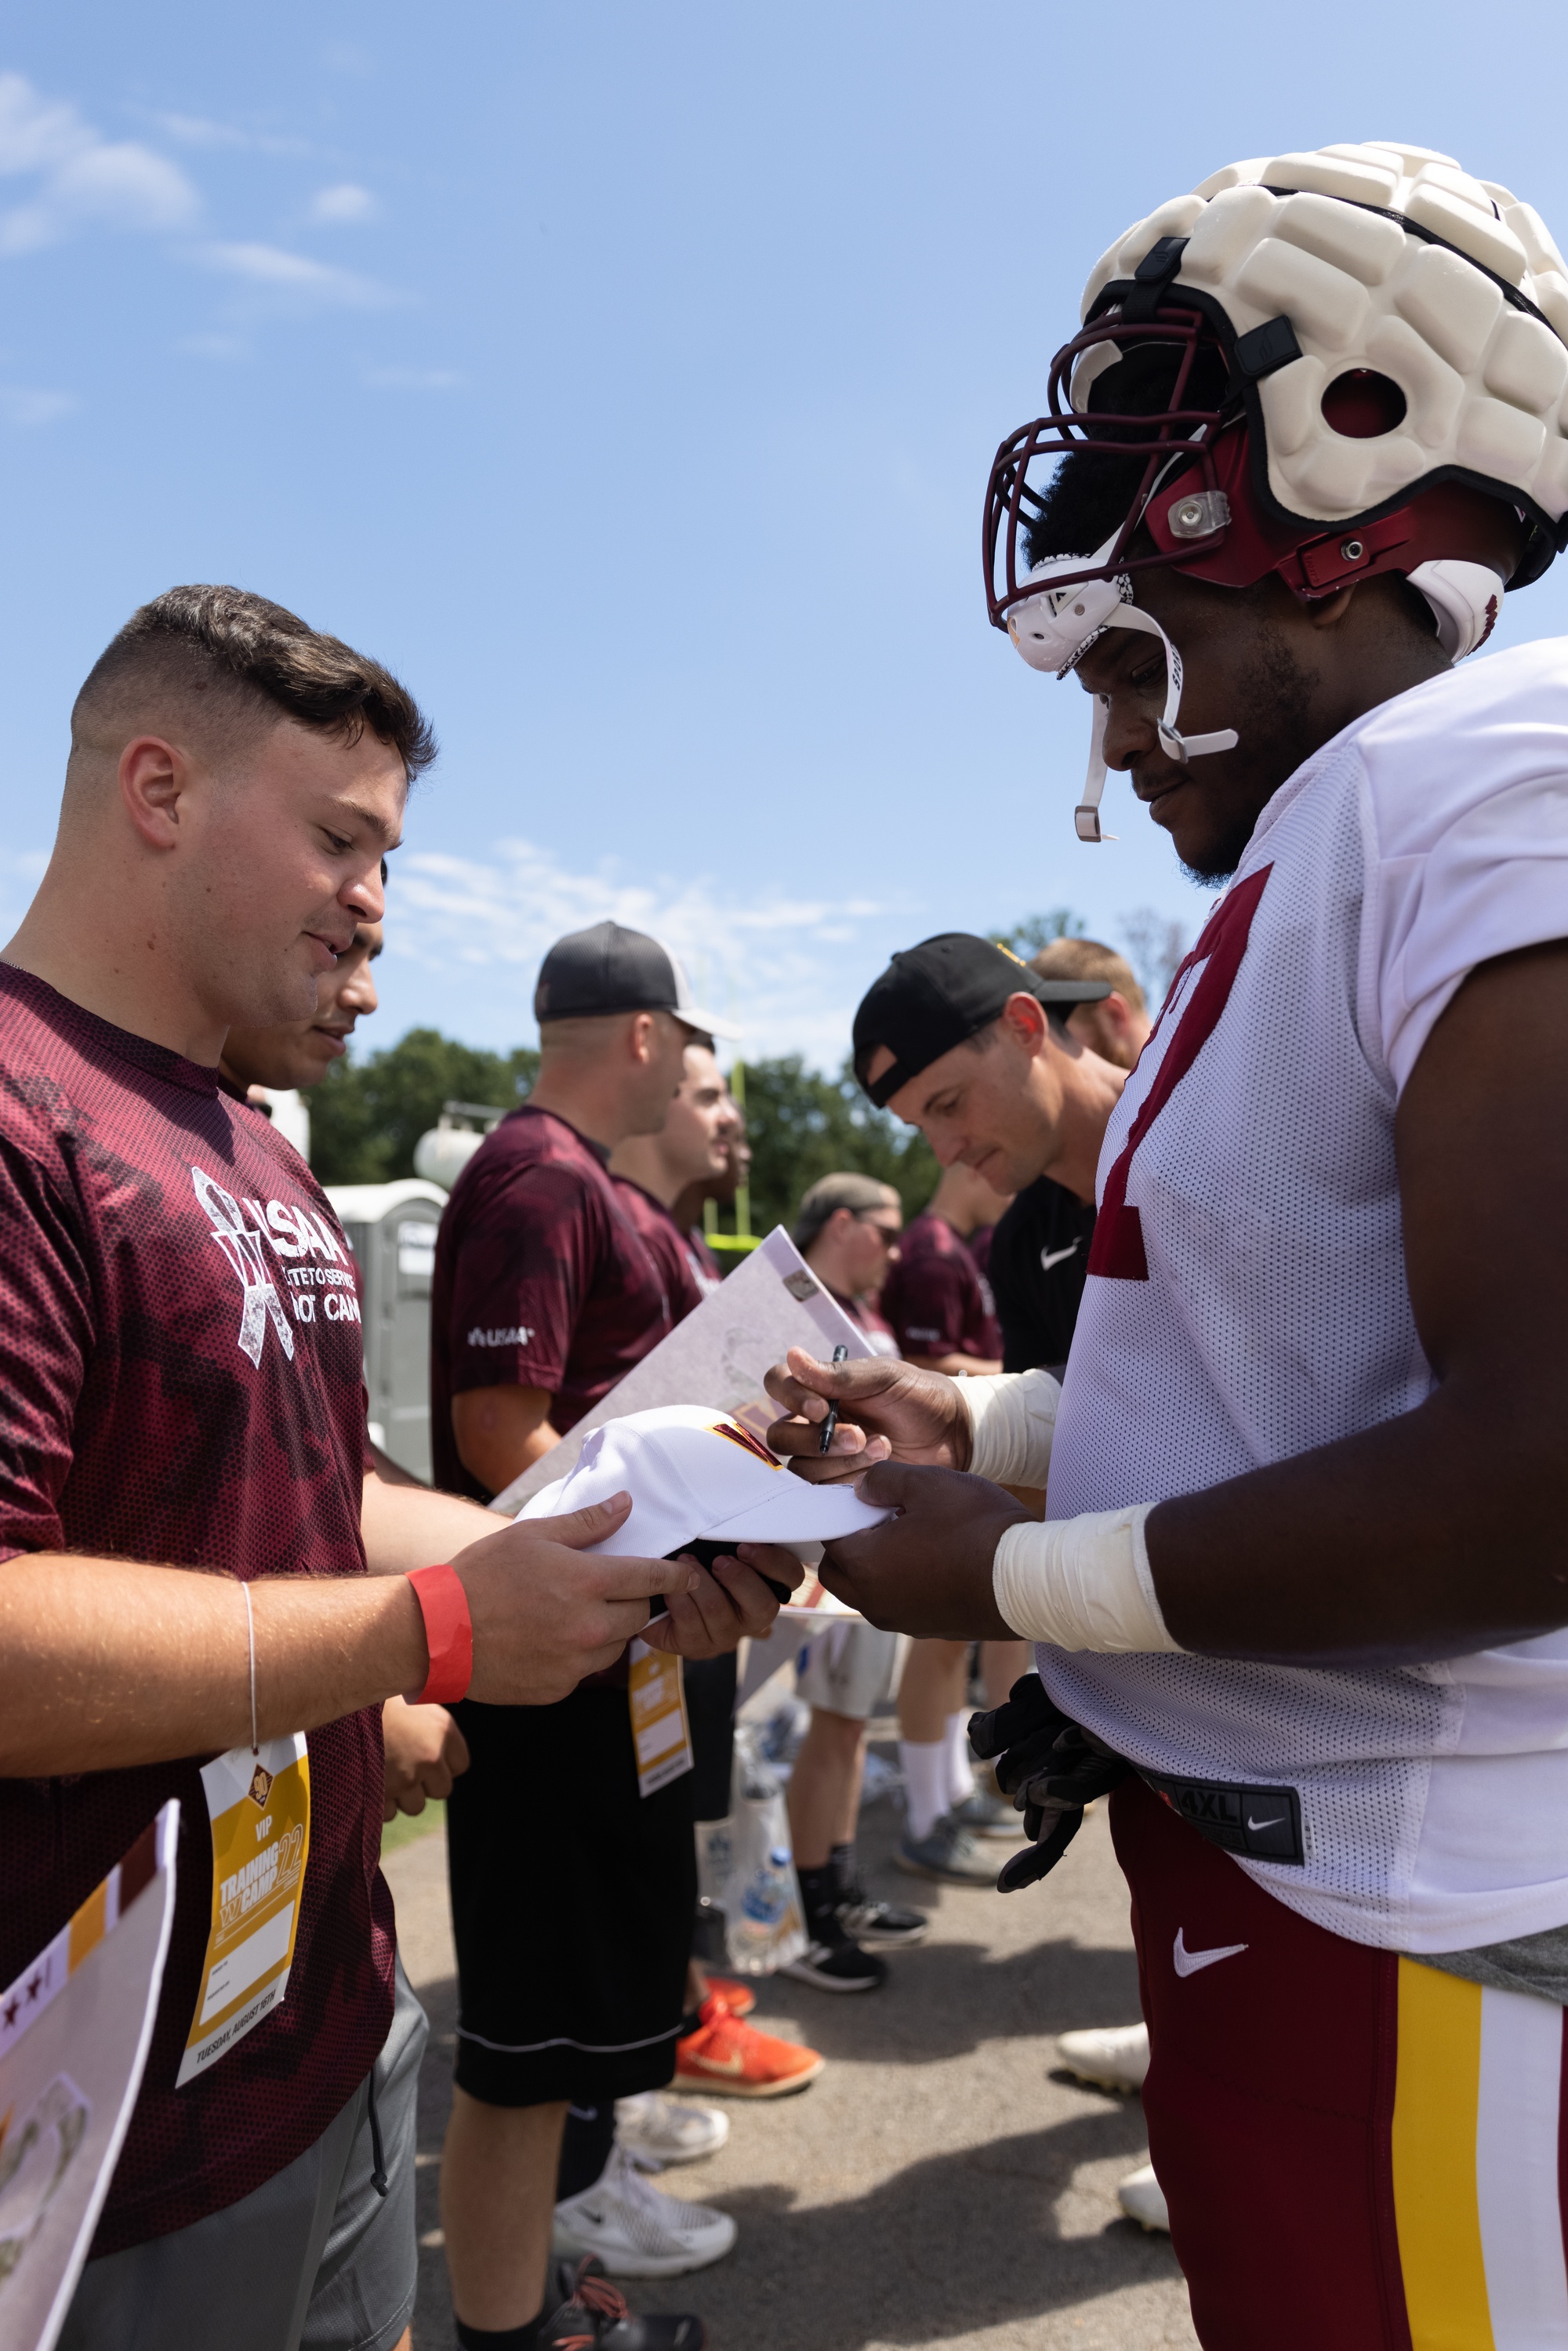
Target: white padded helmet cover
[(1486, 385)]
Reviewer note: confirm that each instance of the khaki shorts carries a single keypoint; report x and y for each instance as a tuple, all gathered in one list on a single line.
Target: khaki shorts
[(852, 1670)]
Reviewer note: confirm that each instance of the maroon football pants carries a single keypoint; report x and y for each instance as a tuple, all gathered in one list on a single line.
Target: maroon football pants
[(1270, 2098)]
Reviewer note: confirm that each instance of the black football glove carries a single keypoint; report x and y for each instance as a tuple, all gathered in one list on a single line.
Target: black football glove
[(1050, 1767)]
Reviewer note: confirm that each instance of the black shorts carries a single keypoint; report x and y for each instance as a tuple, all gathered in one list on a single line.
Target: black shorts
[(572, 1899), (710, 1709)]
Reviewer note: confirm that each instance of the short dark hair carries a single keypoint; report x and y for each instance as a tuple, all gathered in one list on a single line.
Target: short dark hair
[(244, 652), (1090, 497)]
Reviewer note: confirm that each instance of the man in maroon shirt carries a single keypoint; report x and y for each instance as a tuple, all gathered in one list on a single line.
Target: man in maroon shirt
[(936, 1298), (655, 1173), (423, 1747), (572, 1894), (722, 1189), (184, 1384)]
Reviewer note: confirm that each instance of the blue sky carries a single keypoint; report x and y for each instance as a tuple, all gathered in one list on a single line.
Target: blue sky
[(628, 376)]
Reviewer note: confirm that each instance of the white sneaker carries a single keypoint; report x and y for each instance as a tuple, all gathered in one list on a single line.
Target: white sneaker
[(1143, 2199), (657, 2130), (634, 2230), (1116, 2056)]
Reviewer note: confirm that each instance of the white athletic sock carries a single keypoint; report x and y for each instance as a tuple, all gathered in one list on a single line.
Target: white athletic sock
[(925, 1769), (960, 1776)]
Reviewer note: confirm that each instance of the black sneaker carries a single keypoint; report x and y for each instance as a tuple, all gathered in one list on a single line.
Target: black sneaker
[(866, 1920), (593, 2316), (838, 1966)]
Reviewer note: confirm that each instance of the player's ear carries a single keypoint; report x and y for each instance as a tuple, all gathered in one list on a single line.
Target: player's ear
[(151, 777), (1023, 1019)]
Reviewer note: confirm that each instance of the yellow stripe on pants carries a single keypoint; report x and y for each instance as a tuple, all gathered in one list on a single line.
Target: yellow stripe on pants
[(1436, 2097)]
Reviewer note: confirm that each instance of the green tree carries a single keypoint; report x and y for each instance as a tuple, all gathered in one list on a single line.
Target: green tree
[(367, 1116), (803, 1125), (1037, 931)]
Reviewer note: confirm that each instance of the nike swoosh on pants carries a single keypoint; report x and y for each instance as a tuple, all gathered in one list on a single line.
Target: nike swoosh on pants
[(1188, 1964)]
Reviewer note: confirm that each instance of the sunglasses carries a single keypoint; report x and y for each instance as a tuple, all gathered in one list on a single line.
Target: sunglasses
[(888, 1234)]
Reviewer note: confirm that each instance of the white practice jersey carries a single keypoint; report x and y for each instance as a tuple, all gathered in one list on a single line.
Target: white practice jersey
[(1246, 1301)]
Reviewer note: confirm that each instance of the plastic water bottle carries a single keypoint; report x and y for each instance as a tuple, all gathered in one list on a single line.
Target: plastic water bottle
[(767, 1897)]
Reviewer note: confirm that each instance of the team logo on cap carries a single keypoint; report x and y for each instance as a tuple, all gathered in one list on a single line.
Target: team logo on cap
[(747, 1442)]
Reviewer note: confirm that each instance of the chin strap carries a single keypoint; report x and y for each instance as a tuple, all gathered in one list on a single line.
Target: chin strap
[(1056, 628), (1176, 746), (1464, 597)]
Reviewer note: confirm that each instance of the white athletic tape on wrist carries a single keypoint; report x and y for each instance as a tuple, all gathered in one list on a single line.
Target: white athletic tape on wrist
[(1012, 1418), (1081, 1584)]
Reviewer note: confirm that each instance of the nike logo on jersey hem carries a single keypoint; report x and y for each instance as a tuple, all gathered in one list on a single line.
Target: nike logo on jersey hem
[(1188, 1963), (1048, 1258)]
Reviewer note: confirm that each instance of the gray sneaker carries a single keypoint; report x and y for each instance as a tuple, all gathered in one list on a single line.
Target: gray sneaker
[(988, 1817), (951, 1853)]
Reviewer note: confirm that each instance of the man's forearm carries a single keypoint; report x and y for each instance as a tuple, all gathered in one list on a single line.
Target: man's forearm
[(105, 1664), (502, 1431), (1012, 1420), (405, 1527)]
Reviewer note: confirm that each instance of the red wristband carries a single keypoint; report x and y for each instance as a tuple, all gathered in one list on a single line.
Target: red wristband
[(448, 1630)]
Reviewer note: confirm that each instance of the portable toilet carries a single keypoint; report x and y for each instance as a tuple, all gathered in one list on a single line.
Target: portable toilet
[(392, 1230)]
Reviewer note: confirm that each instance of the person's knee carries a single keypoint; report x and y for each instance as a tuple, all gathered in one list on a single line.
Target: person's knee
[(841, 1734)]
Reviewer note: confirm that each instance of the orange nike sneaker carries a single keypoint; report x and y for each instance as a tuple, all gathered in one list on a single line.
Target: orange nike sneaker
[(732, 2060), (738, 1998)]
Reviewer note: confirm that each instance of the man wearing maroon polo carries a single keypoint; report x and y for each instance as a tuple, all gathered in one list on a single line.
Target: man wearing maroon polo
[(572, 1894)]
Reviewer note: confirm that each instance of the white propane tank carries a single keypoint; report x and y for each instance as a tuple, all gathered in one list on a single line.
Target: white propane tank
[(441, 1155)]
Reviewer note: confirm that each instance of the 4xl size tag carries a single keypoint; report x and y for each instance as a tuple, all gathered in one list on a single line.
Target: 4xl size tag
[(660, 1731), (1260, 1824), (259, 1807)]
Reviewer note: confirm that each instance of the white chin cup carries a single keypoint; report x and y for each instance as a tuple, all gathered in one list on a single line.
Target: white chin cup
[(1056, 627), (1465, 599)]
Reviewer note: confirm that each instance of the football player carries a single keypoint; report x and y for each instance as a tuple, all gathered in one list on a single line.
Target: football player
[(1305, 1564)]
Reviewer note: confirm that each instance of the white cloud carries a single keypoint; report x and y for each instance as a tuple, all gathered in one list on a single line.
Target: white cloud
[(19, 405), (407, 379), (294, 277), (344, 204), (197, 131), (788, 970), (82, 179)]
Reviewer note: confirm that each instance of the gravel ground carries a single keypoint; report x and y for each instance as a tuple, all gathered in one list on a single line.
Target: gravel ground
[(942, 2182)]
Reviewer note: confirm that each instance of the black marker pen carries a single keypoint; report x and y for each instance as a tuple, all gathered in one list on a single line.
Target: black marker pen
[(841, 1355)]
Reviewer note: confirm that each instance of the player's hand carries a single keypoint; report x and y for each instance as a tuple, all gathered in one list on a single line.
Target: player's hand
[(887, 1411), (1050, 1767), (545, 1614), (727, 1605), (927, 1572), (425, 1752)]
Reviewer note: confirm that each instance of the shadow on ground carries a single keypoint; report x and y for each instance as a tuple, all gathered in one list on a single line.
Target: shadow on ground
[(947, 2247)]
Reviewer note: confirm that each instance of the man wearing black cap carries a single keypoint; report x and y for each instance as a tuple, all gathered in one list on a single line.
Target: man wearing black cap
[(987, 1062), (571, 1894)]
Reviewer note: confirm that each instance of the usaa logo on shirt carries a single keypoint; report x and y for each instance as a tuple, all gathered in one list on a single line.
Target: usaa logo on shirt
[(297, 1240)]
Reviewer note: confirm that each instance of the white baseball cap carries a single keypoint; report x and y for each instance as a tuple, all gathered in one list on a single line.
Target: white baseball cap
[(696, 1476)]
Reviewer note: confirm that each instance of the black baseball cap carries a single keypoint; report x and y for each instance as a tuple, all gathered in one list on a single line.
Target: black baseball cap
[(939, 994), (611, 970)]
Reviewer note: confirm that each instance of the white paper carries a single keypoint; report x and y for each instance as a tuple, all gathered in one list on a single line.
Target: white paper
[(75, 2030), (719, 1357)]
